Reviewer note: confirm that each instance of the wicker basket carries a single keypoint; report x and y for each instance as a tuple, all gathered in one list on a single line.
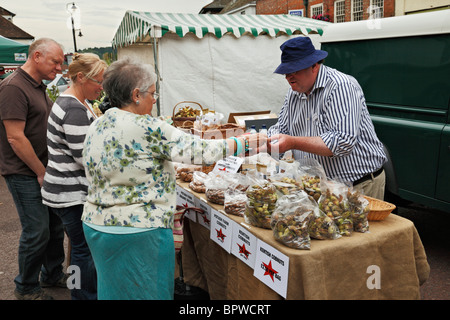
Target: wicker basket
[(379, 209), (184, 122)]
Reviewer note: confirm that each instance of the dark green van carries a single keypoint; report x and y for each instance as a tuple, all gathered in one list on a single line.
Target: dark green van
[(403, 66)]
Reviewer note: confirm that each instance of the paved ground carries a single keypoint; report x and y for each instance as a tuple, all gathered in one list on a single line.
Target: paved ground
[(433, 227), (9, 241)]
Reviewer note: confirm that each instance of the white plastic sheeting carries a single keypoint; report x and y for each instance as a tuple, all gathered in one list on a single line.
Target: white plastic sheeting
[(224, 63)]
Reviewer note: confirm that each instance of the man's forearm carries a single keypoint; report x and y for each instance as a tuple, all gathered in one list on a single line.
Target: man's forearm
[(23, 149), (312, 145)]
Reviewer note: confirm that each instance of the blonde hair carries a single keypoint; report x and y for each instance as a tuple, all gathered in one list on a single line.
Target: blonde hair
[(88, 64)]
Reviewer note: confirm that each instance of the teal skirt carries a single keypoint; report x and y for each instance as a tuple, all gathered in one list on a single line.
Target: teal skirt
[(134, 266)]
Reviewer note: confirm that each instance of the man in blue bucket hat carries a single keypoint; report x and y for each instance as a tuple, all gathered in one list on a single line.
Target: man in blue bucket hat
[(325, 117)]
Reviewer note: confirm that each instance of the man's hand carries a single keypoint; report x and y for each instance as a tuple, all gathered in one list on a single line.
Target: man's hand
[(280, 143)]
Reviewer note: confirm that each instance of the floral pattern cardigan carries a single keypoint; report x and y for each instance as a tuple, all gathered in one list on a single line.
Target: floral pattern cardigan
[(127, 159)]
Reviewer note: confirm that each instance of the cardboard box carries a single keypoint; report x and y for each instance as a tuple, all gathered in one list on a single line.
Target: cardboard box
[(231, 117), (223, 132), (242, 119)]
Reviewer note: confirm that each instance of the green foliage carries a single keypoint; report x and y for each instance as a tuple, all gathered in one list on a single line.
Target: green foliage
[(53, 93), (106, 53)]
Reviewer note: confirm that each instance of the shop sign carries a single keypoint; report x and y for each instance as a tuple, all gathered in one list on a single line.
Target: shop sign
[(221, 229), (243, 245), (22, 57), (272, 268)]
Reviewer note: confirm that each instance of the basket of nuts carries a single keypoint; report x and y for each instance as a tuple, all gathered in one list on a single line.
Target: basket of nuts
[(184, 114)]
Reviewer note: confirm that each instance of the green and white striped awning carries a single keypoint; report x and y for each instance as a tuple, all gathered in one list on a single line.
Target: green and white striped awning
[(136, 26)]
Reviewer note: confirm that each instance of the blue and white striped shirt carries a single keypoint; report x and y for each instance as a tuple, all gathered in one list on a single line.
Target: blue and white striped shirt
[(336, 111)]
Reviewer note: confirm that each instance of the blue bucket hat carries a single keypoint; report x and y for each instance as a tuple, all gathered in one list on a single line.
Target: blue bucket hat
[(298, 54)]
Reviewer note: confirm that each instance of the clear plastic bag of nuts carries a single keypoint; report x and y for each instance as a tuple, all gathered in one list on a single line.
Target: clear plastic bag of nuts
[(234, 202), (215, 185), (334, 203), (291, 219), (235, 197), (198, 182), (261, 200), (311, 174)]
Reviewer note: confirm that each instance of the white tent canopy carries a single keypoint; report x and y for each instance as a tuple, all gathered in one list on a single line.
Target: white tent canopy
[(223, 62)]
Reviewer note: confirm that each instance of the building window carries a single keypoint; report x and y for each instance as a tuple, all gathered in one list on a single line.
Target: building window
[(339, 11), (357, 10), (376, 9), (317, 10)]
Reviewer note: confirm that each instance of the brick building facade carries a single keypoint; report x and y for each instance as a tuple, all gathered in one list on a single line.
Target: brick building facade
[(335, 10)]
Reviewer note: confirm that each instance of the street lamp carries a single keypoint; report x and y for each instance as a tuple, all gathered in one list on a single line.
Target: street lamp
[(305, 3), (74, 11)]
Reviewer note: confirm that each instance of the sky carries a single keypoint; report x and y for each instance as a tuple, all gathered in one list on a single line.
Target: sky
[(99, 19)]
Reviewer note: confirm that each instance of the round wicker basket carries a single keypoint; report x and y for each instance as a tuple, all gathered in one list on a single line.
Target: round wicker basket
[(185, 122), (379, 209)]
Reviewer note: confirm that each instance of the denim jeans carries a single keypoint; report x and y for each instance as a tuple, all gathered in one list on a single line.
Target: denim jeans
[(41, 244), (80, 253)]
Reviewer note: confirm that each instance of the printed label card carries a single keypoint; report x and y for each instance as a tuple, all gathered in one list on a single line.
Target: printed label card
[(243, 245), (186, 199), (204, 218), (229, 164), (221, 229), (272, 268)]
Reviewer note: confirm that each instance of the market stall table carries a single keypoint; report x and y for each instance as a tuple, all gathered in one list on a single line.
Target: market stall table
[(389, 262)]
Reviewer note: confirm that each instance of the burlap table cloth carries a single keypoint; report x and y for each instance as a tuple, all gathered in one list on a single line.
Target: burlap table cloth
[(332, 269)]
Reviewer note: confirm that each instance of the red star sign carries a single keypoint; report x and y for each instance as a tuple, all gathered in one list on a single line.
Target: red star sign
[(205, 219), (243, 250), (269, 270), (220, 234)]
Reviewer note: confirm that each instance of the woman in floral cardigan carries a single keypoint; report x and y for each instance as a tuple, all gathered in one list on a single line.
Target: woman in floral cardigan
[(128, 215)]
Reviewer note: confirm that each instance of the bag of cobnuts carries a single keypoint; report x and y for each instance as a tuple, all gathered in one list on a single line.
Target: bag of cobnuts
[(291, 218), (215, 185), (311, 174), (333, 202), (235, 197), (261, 200)]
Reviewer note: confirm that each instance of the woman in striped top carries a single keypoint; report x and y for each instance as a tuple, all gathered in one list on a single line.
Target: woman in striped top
[(325, 117), (65, 185)]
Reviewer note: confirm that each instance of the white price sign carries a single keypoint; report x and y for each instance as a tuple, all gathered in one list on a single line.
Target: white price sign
[(272, 268), (186, 199), (229, 164), (204, 218), (244, 245), (221, 230)]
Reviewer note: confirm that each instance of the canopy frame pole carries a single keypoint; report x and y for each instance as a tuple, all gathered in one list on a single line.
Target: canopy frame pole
[(155, 58)]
